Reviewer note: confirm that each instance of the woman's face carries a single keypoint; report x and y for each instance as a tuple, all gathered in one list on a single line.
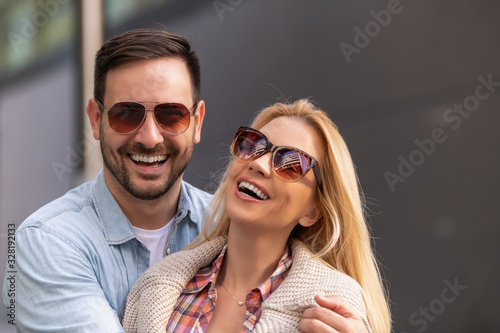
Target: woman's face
[(279, 205)]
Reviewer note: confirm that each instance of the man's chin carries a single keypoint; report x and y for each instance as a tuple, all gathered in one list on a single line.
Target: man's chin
[(150, 193), (142, 179)]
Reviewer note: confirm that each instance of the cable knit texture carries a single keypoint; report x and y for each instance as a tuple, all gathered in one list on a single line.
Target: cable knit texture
[(152, 298)]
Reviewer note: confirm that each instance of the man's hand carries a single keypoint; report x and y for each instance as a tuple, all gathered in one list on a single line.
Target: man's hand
[(332, 316)]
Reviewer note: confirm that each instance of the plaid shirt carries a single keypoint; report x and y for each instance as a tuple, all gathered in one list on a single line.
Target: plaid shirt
[(196, 304)]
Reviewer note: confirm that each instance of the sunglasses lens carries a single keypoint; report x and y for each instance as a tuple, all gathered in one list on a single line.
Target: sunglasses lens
[(249, 145), (173, 118), (124, 117), (290, 164)]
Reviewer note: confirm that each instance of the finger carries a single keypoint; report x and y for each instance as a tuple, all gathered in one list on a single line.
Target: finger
[(315, 326), (337, 305), (320, 317)]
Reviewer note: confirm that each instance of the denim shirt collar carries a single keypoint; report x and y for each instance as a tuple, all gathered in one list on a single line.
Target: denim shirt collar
[(183, 207), (117, 228)]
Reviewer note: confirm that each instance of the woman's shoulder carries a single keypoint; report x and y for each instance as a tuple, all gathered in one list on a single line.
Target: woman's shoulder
[(308, 276), (321, 278)]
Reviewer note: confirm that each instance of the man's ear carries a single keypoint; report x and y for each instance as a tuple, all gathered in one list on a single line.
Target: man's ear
[(310, 218), (94, 113), (198, 121)]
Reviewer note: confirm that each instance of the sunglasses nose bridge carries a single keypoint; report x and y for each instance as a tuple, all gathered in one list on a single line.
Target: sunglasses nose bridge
[(145, 118), (263, 163), (149, 132)]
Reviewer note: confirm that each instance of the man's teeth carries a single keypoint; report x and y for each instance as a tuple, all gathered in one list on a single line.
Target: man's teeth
[(255, 190), (148, 159)]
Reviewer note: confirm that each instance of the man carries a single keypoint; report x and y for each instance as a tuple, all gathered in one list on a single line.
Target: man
[(78, 256)]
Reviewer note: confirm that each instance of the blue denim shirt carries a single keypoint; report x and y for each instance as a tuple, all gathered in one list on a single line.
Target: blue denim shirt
[(78, 256)]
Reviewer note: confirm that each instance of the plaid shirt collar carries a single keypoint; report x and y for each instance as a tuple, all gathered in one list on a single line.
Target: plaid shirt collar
[(208, 276)]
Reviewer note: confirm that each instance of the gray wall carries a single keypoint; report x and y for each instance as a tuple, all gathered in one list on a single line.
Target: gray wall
[(435, 227)]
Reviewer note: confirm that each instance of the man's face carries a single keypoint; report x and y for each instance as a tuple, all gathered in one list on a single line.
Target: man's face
[(148, 162)]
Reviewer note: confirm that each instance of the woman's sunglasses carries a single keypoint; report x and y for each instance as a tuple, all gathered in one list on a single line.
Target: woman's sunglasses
[(126, 117), (288, 163)]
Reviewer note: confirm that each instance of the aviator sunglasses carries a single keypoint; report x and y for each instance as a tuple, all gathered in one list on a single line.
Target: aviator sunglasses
[(288, 163), (126, 117)]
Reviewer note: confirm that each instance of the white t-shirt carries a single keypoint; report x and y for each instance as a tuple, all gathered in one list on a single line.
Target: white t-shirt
[(155, 240)]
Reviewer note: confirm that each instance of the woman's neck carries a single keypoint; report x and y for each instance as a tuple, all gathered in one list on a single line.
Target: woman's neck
[(249, 260)]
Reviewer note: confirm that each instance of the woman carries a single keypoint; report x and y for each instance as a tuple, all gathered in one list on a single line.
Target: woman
[(285, 224)]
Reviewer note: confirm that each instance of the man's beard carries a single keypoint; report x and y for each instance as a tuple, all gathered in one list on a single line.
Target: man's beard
[(114, 162)]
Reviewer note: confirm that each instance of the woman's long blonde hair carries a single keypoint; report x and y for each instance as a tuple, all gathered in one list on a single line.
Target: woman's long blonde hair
[(341, 237)]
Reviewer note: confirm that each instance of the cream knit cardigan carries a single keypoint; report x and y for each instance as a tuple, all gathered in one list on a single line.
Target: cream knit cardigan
[(153, 297)]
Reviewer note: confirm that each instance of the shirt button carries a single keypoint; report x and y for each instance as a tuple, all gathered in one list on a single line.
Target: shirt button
[(168, 251)]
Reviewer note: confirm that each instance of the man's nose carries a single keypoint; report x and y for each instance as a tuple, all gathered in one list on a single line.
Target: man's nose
[(149, 133)]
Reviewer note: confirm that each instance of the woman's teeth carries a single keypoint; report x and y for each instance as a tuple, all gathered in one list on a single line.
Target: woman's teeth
[(249, 188)]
